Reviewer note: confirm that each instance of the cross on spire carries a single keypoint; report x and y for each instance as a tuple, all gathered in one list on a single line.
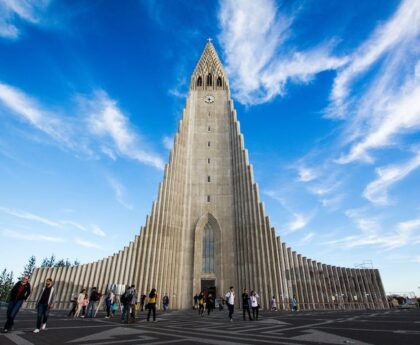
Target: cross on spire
[(209, 39)]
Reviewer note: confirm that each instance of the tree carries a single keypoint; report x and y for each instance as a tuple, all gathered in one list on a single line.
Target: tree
[(29, 267), (6, 284), (48, 262)]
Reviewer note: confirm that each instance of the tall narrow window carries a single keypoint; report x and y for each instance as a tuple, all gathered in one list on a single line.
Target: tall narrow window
[(209, 114), (208, 144), (219, 81), (208, 128), (208, 160), (209, 80), (199, 81), (208, 178), (207, 263), (208, 198)]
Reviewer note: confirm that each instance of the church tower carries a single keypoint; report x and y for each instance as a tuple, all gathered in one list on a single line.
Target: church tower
[(208, 229)]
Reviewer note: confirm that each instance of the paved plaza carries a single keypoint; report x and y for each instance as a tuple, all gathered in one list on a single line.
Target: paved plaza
[(186, 327)]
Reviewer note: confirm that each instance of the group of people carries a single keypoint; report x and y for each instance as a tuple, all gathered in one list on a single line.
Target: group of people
[(84, 305), (20, 293)]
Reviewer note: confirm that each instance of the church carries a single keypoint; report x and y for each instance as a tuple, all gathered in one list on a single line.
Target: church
[(208, 228)]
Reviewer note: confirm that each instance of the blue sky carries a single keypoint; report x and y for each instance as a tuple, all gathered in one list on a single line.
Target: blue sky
[(327, 93)]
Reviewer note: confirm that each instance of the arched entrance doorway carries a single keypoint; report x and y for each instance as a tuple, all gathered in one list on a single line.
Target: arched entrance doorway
[(207, 256)]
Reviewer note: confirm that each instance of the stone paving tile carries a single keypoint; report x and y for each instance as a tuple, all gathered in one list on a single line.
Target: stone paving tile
[(400, 327)]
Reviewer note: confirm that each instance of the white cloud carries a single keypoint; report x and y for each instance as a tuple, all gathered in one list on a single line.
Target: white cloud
[(377, 191), (98, 231), (168, 142), (29, 110), (299, 222), (30, 237), (120, 192), (372, 234), (14, 11), (253, 38), (307, 238), (30, 216), (106, 120), (86, 244), (112, 131), (73, 224), (385, 108), (306, 174)]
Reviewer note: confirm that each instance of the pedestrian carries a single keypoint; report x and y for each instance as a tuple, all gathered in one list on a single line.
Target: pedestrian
[(221, 302), (80, 300), (209, 303), (201, 302), (93, 299), (142, 299), (274, 304), (19, 293), (126, 302), (44, 305), (109, 300), (195, 302), (165, 302), (230, 301), (133, 303), (85, 304), (73, 308), (254, 304), (152, 304), (294, 303), (245, 304)]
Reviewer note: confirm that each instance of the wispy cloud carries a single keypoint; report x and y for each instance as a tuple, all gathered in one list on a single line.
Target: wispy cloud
[(253, 37), (86, 244), (106, 120), (384, 109), (73, 224), (98, 231), (120, 192), (108, 130), (306, 174), (168, 142), (13, 12), (298, 222), (377, 191), (307, 238), (30, 216), (30, 237), (406, 233)]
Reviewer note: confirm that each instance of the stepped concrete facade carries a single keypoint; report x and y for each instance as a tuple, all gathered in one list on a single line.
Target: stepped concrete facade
[(208, 227)]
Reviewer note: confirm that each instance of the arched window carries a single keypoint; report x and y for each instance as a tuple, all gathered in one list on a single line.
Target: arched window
[(209, 80), (219, 81), (199, 81), (207, 265)]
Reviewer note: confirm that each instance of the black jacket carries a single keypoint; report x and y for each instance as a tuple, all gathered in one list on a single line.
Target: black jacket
[(15, 289)]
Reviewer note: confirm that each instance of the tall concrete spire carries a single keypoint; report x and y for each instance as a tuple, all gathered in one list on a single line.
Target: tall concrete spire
[(208, 228)]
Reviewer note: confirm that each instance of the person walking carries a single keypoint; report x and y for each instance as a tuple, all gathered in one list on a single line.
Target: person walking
[(126, 298), (274, 304), (209, 303), (165, 302), (93, 299), (133, 303), (85, 304), (142, 299), (73, 308), (19, 293), (245, 304), (294, 303), (230, 301), (201, 302), (80, 300), (109, 300), (254, 304), (195, 302), (44, 305), (152, 304)]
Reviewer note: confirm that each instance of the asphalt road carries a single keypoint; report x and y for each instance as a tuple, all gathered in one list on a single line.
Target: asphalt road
[(401, 327)]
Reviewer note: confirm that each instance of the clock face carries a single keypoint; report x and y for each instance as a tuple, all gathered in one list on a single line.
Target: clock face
[(209, 99)]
